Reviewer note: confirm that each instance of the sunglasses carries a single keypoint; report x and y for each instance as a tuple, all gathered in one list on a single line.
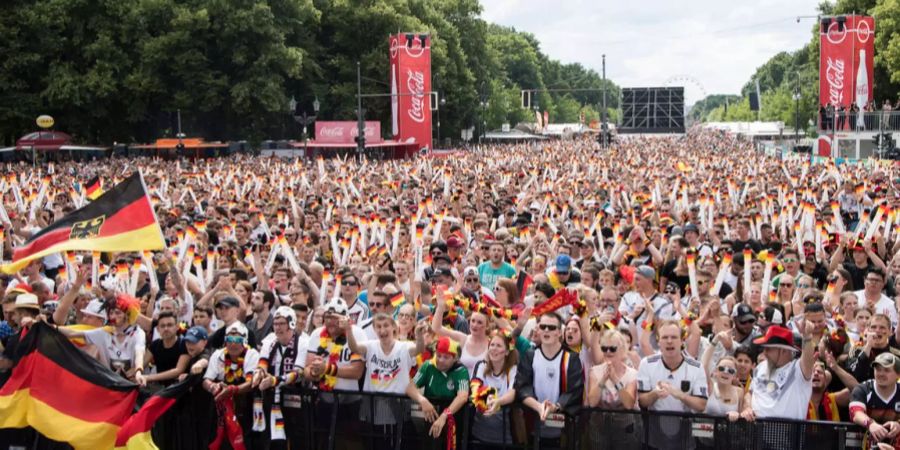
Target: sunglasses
[(472, 280), (670, 290), (548, 327), (787, 285), (406, 315), (745, 322), (726, 369), (234, 339), (610, 349), (376, 304), (788, 260)]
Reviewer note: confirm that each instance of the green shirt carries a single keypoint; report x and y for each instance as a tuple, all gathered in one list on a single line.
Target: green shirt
[(489, 275), (442, 385)]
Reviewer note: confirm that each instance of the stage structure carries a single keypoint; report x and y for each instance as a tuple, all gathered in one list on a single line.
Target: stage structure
[(652, 110)]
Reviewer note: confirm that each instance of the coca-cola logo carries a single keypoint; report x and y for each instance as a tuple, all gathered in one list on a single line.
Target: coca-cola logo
[(834, 76), (415, 83), (332, 132)]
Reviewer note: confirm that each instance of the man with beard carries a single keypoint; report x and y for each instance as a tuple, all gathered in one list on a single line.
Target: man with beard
[(782, 385), (277, 367), (824, 405), (490, 271)]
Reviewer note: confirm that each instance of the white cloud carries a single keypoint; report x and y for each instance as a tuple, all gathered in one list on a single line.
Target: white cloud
[(647, 43)]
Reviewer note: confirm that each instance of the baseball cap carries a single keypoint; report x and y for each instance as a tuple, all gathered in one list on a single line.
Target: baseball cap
[(96, 308), (454, 242), (773, 315), (677, 231), (443, 273), (743, 312), (228, 302), (691, 227), (563, 264), (196, 334), (646, 272), (887, 360)]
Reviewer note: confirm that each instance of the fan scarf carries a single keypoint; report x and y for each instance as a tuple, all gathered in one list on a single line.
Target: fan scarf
[(333, 348), (480, 394), (234, 368)]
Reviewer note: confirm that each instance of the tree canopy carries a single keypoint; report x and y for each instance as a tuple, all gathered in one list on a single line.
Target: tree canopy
[(119, 70)]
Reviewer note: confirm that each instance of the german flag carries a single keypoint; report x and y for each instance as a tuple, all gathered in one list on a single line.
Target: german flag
[(93, 188), (523, 282), (122, 220), (135, 433), (63, 393), (397, 299)]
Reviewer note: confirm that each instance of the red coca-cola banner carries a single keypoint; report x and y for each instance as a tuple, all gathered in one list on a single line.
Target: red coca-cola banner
[(345, 132), (847, 46), (411, 88)]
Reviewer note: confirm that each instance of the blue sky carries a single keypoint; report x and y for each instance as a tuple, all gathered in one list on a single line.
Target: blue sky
[(714, 44)]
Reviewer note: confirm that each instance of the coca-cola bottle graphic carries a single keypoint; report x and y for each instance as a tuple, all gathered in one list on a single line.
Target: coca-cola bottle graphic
[(395, 102), (862, 88)]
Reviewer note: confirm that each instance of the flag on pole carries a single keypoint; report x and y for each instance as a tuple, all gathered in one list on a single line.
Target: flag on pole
[(93, 188), (121, 220), (63, 393)]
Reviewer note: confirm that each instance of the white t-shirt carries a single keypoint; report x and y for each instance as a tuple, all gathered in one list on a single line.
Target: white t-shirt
[(216, 369), (785, 395), (387, 372), (502, 383), (268, 343), (345, 359), (368, 328), (884, 305), (119, 354), (358, 312), (689, 377)]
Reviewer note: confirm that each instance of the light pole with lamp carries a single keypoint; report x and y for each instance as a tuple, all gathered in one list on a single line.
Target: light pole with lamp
[(305, 120), (484, 104), (441, 104), (797, 97)]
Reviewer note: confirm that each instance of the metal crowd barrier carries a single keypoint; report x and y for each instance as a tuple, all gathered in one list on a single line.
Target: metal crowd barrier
[(368, 421)]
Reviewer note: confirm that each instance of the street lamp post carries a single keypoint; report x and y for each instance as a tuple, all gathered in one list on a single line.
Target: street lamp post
[(484, 105), (441, 103), (797, 96), (305, 120)]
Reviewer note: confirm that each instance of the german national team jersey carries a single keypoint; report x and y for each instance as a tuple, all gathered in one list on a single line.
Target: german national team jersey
[(880, 409)]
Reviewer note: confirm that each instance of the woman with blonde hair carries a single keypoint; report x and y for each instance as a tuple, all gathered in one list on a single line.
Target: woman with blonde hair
[(613, 386)]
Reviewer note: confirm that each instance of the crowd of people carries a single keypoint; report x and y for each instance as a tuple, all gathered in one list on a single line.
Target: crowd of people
[(530, 282)]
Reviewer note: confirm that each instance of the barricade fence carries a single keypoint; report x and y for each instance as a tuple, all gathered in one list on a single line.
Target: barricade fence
[(316, 420)]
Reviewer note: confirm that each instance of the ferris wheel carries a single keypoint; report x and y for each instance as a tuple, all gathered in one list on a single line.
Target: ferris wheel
[(693, 89)]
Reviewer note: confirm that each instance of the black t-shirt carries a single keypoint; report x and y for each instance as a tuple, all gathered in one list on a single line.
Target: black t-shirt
[(858, 275), (668, 271), (860, 365), (217, 340), (878, 409), (738, 246), (166, 358)]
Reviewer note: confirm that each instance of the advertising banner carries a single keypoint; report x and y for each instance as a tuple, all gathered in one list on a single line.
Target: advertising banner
[(411, 88), (847, 46), (346, 131)]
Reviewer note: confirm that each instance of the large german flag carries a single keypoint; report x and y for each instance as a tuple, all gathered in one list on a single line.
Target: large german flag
[(121, 220), (63, 393), (135, 433)]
